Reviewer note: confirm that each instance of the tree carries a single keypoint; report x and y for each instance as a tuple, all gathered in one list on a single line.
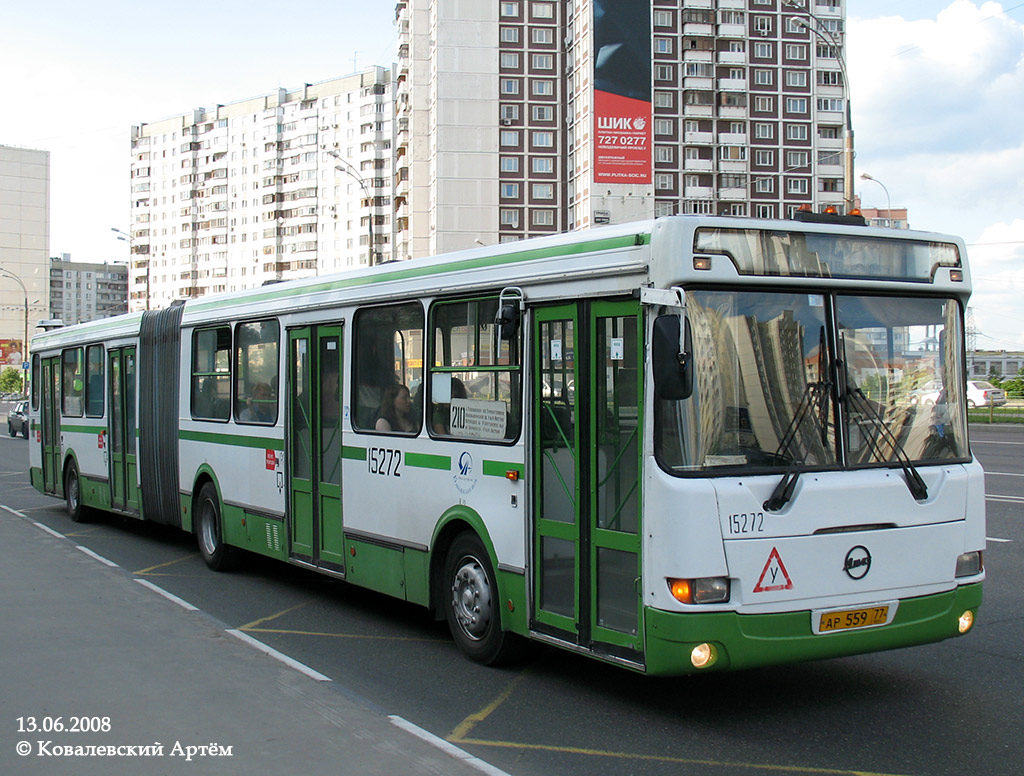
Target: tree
[(10, 380)]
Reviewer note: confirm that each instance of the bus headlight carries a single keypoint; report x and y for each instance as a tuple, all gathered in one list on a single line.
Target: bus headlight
[(705, 590), (969, 564)]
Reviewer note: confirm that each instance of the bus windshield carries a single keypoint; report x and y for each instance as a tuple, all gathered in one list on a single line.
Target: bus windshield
[(816, 381)]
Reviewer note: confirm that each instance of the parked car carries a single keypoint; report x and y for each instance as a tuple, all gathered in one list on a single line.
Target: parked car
[(981, 393), (927, 394), (17, 419)]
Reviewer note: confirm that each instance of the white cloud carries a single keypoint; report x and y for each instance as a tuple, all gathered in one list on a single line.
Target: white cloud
[(938, 110)]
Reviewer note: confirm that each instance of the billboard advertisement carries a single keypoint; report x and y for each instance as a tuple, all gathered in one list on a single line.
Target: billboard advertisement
[(10, 353), (622, 91)]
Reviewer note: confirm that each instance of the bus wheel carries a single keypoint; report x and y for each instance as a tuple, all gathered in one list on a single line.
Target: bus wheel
[(73, 494), (216, 554), (471, 603)]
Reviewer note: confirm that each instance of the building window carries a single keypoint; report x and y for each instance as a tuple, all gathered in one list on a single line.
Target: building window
[(663, 181), (542, 61), (762, 50), (509, 137), (662, 45), (764, 185), (796, 51), (543, 139), (543, 217), (509, 190), (509, 34), (664, 153), (763, 24), (509, 59), (830, 78), (543, 88), (796, 132), (542, 112), (543, 191), (509, 112), (542, 164), (732, 153), (763, 77), (765, 211), (764, 104), (509, 86), (662, 18), (796, 185), (542, 10), (509, 9), (664, 126), (764, 131), (796, 105), (510, 163), (764, 158), (664, 72), (796, 78), (510, 218), (830, 104), (797, 160), (542, 35)]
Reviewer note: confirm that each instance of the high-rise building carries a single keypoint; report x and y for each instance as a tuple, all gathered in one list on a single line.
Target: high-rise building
[(24, 247), (288, 184), (82, 291), (517, 118)]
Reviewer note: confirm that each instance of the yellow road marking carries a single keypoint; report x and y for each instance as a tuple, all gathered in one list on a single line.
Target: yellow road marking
[(673, 760), (462, 729), (164, 565), (282, 613)]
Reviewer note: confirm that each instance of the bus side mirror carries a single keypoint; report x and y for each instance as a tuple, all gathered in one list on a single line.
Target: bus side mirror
[(671, 358), (508, 321)]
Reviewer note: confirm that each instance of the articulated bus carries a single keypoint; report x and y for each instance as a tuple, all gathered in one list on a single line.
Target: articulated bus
[(689, 444)]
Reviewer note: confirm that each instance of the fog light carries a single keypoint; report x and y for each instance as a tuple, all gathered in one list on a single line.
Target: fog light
[(966, 621), (969, 564), (703, 655)]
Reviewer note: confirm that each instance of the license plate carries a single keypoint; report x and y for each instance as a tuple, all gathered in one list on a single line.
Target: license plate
[(851, 619)]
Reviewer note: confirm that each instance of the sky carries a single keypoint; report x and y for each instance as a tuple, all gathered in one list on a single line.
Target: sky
[(937, 97)]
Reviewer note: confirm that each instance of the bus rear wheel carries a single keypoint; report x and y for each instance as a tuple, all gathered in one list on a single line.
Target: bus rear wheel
[(218, 555), (471, 604), (77, 511)]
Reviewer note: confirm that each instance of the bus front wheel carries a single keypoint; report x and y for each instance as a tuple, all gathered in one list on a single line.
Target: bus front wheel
[(216, 553), (472, 603)]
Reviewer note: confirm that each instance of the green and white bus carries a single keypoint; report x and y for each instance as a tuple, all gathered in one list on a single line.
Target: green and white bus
[(682, 445)]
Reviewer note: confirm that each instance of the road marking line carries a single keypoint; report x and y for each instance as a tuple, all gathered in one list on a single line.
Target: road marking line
[(168, 563), (676, 760), (463, 728), (1006, 499), (252, 625), (96, 556), (267, 650), (48, 530), (446, 747), (1005, 474), (12, 511), (993, 442), (169, 596), (994, 539), (288, 631)]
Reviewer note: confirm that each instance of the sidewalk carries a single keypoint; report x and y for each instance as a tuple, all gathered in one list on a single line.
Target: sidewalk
[(81, 639)]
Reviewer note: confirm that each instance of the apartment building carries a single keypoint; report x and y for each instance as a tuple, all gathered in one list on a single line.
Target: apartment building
[(82, 291), (284, 185), (517, 118), (24, 247)]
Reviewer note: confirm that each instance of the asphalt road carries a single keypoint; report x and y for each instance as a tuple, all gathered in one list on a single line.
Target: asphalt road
[(948, 708)]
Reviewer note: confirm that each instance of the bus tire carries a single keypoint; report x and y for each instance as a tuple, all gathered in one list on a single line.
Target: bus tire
[(77, 511), (217, 555), (471, 603)]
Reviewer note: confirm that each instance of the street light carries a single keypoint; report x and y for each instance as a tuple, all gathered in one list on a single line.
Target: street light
[(24, 342), (888, 202), (826, 35), (126, 237), (347, 168)]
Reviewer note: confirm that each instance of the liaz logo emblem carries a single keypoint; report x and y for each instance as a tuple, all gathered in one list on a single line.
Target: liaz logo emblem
[(858, 562), (464, 481)]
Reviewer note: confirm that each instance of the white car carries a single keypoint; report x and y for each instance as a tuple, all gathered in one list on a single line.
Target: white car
[(981, 393)]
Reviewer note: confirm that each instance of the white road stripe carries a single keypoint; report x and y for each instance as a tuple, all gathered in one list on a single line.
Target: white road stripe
[(1005, 474), (1006, 499), (288, 661), (994, 539), (12, 511), (169, 596), (446, 747), (95, 556), (48, 530)]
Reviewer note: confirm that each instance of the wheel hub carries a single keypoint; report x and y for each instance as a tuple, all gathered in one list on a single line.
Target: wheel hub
[(471, 598)]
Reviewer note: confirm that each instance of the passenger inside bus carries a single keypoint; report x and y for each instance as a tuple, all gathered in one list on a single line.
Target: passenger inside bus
[(260, 406), (395, 412)]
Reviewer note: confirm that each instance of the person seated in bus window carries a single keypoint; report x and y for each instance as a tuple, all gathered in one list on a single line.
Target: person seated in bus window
[(395, 412), (207, 402), (441, 416), (260, 406)]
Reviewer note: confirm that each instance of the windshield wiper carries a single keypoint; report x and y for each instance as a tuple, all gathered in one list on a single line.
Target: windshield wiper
[(917, 486), (784, 490)]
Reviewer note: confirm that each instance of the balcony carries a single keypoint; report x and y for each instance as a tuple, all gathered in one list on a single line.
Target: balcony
[(737, 192), (732, 57), (732, 138), (698, 165), (698, 192), (732, 84), (699, 138), (732, 31)]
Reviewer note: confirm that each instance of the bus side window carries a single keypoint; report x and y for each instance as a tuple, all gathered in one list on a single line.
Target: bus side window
[(211, 373), (388, 371), (94, 381)]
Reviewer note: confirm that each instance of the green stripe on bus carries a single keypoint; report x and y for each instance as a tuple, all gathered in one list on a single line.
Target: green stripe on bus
[(427, 461), (82, 429), (499, 468), (607, 244), (350, 453), (234, 440)]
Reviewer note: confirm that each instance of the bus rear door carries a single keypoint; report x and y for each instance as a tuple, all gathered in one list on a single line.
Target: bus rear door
[(49, 420), (124, 489)]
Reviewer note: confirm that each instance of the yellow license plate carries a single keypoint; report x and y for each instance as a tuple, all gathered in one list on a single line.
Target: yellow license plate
[(847, 619)]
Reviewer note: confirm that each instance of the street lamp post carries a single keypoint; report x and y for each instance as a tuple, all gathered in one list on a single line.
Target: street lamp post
[(826, 35), (126, 237), (24, 342), (888, 202), (351, 171)]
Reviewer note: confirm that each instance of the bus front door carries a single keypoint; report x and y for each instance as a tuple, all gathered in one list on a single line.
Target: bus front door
[(587, 400), (49, 420), (124, 488), (314, 446)]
